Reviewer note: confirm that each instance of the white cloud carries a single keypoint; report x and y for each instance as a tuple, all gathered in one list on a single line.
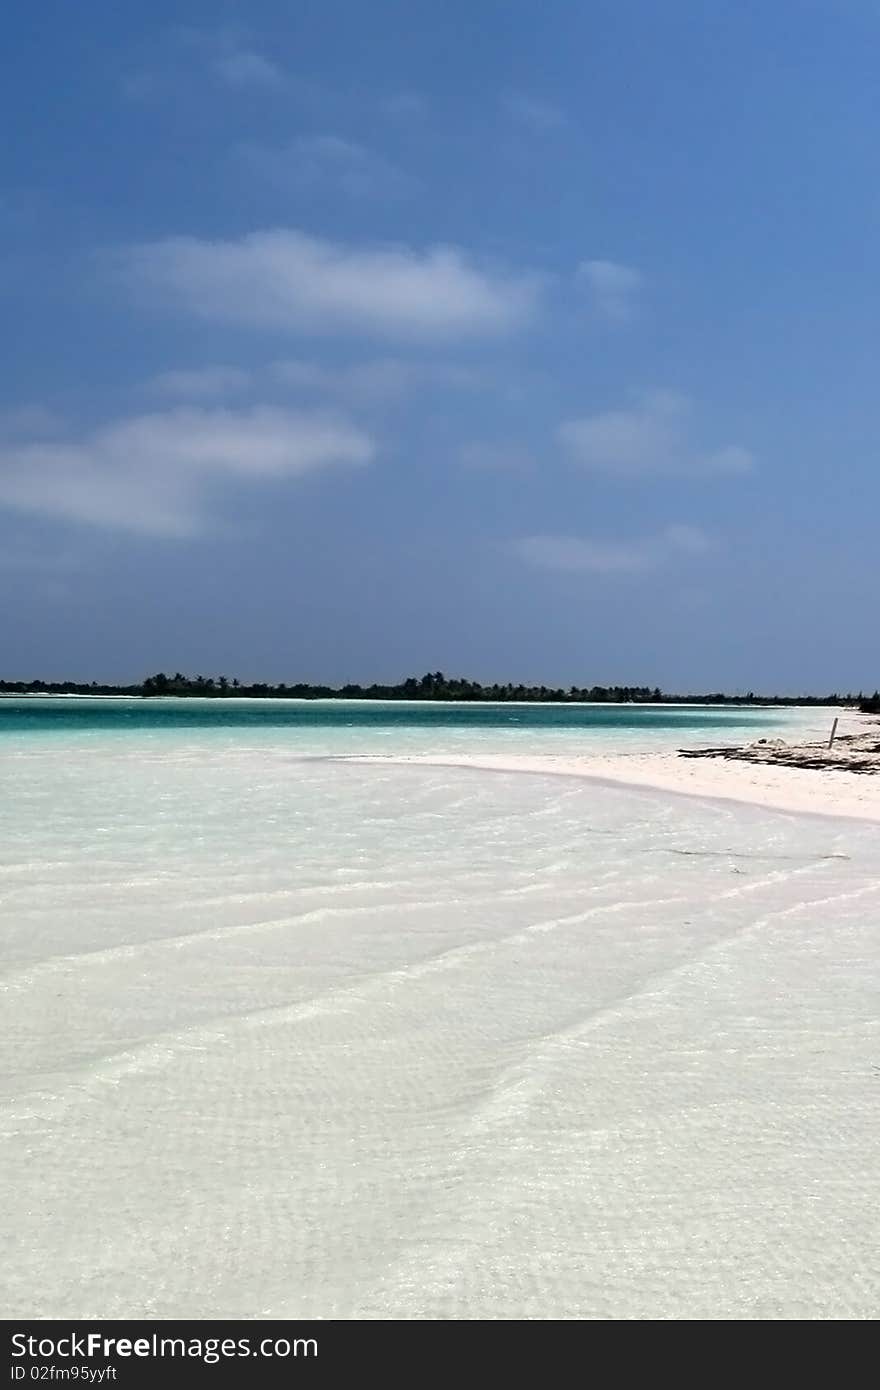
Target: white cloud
[(240, 67), (154, 473), (288, 281), (201, 383), (613, 288), (584, 555), (311, 163), (652, 439), (542, 117)]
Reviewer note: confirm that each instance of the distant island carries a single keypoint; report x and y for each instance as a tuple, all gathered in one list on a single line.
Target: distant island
[(432, 686)]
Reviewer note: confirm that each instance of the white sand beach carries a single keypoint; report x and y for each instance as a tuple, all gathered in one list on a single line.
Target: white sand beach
[(803, 791), (796, 790)]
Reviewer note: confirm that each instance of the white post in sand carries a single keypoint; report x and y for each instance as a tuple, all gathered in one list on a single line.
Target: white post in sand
[(833, 732)]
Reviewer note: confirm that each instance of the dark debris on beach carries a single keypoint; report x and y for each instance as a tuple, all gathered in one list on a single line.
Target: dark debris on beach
[(848, 753)]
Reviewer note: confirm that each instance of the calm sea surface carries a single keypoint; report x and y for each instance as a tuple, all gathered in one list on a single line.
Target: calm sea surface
[(290, 1035), (328, 726)]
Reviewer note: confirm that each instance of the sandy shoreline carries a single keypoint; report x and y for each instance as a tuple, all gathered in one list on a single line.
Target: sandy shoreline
[(801, 791)]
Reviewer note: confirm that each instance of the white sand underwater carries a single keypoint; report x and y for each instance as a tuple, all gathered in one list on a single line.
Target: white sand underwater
[(318, 1039)]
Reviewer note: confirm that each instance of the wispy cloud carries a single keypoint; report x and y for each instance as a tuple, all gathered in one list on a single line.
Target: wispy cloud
[(378, 380), (289, 281), (613, 288), (652, 439), (241, 67), (312, 163), (229, 54), (201, 383), (156, 473), (224, 54), (375, 381), (588, 555), (542, 117)]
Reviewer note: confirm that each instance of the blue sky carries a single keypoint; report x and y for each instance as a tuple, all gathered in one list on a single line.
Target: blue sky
[(527, 341)]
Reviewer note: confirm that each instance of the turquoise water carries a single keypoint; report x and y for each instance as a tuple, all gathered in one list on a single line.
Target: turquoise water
[(341, 728), (324, 725)]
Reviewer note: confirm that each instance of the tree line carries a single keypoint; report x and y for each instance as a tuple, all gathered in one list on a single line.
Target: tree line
[(434, 685)]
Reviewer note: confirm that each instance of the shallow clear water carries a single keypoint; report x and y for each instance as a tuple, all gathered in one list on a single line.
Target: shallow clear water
[(288, 1036), (370, 726)]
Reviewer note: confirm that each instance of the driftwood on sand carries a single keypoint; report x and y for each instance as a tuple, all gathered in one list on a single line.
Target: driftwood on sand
[(848, 753)]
